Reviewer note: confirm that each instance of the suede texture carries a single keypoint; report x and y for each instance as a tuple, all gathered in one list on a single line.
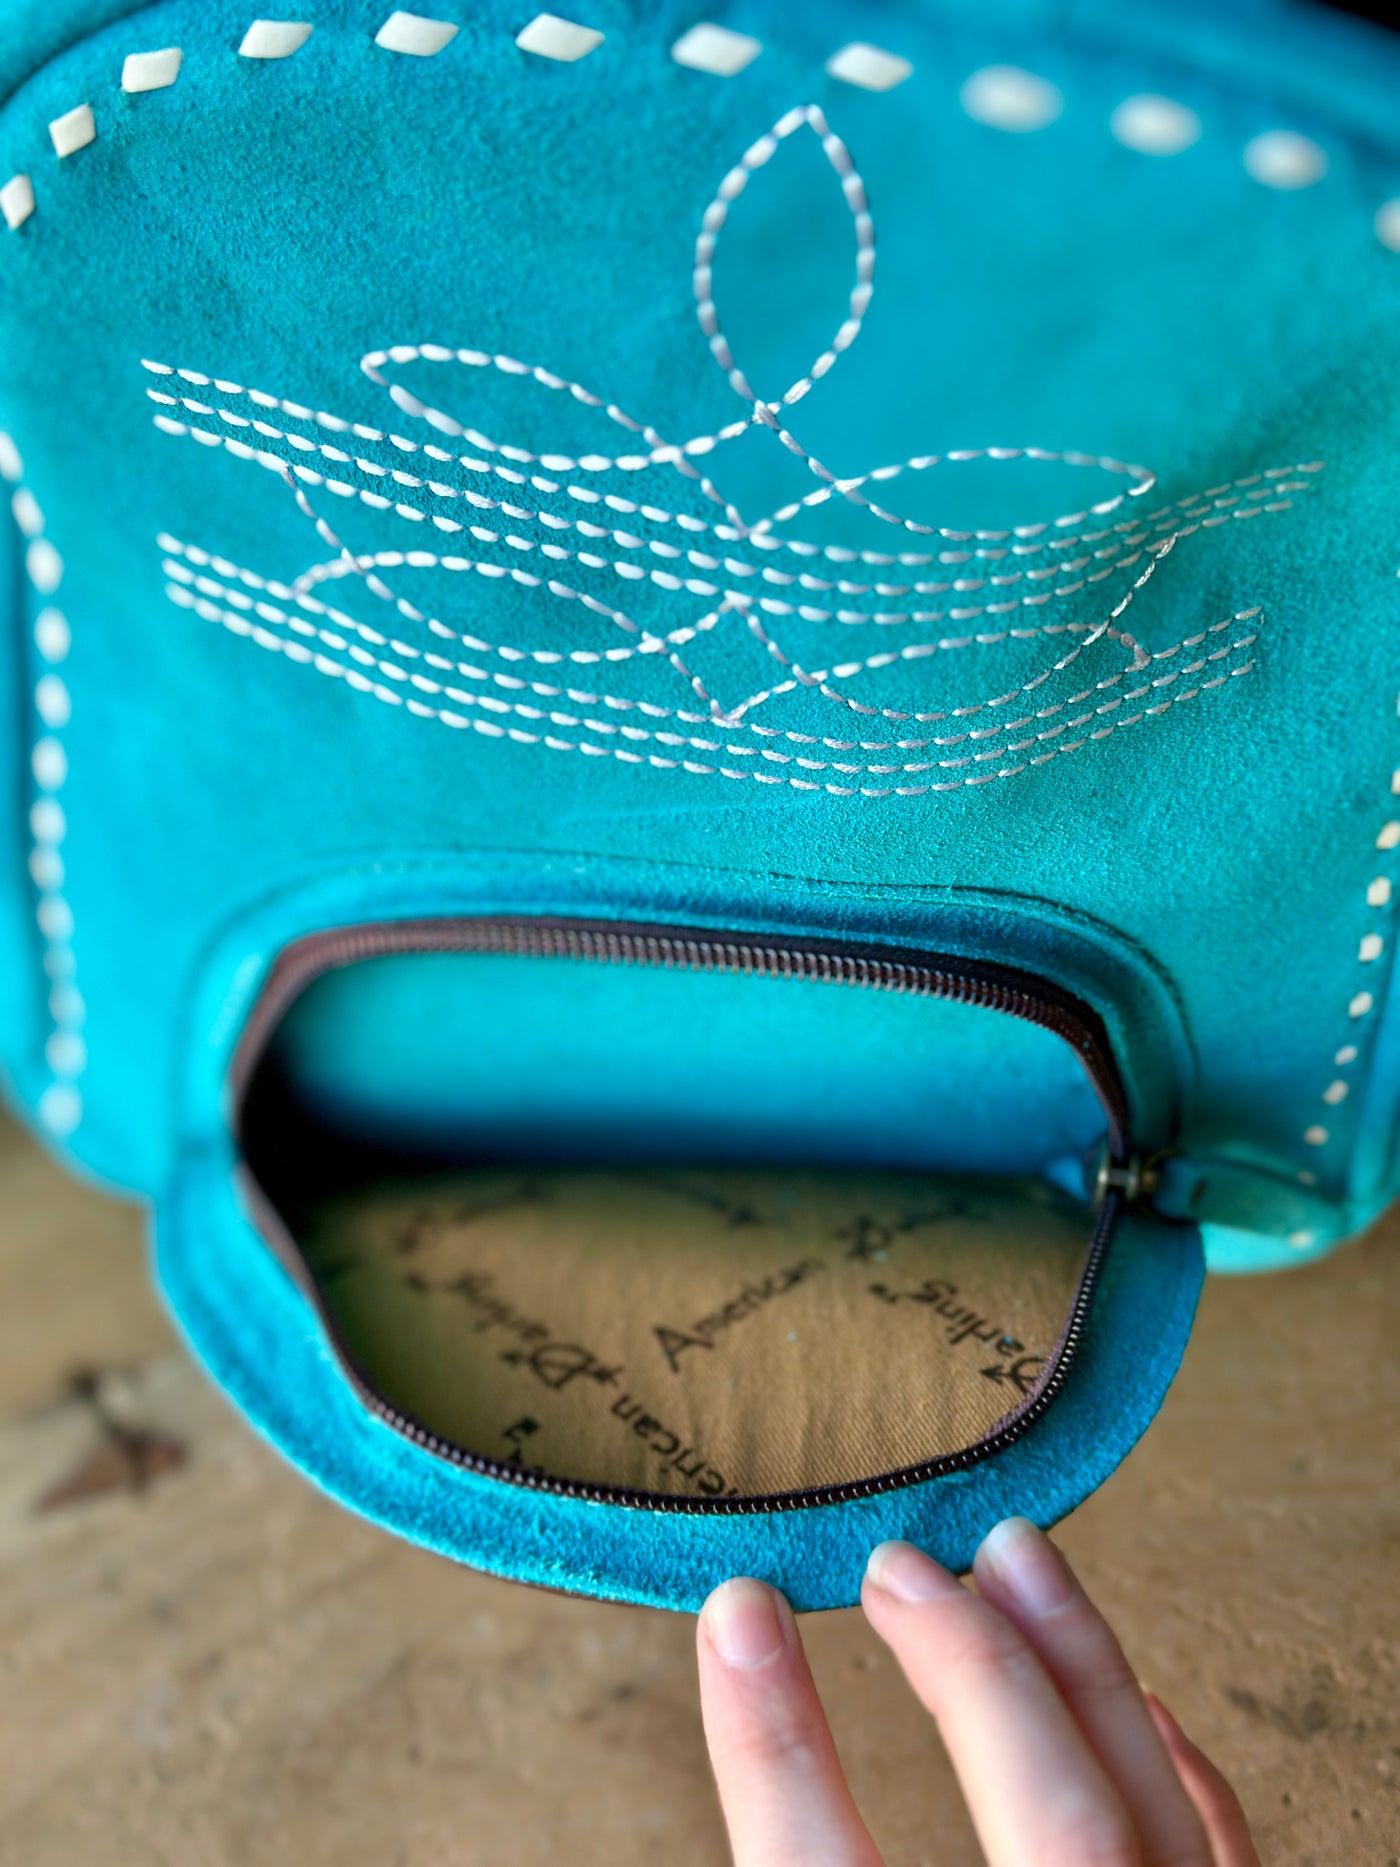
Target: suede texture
[(447, 1054), (244, 1317), (1206, 878), (1186, 834)]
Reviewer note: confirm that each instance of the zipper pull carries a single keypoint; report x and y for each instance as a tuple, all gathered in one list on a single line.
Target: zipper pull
[(1248, 1201), (1135, 1178)]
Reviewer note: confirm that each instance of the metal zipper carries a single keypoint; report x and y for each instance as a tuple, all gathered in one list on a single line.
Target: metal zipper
[(870, 967)]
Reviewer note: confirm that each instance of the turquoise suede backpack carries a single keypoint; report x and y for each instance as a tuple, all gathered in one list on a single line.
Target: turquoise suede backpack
[(699, 873)]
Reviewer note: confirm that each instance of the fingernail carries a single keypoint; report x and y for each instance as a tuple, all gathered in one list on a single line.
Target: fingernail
[(746, 1622), (1028, 1566), (907, 1573)]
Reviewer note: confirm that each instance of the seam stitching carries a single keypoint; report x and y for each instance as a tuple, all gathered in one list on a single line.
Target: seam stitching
[(60, 1105), (1379, 894)]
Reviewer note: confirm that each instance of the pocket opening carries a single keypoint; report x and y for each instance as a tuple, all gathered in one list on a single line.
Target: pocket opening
[(672, 1321)]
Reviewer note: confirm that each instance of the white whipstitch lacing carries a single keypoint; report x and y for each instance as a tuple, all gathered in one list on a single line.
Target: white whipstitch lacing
[(60, 1105)]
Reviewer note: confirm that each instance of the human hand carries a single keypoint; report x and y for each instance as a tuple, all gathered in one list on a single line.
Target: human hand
[(1064, 1760)]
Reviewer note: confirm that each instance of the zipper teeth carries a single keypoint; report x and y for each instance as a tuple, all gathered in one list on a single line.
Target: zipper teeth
[(997, 989), (939, 1467), (695, 951)]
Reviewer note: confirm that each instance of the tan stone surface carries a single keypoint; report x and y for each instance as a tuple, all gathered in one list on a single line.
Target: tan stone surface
[(223, 1668), (70, 1294)]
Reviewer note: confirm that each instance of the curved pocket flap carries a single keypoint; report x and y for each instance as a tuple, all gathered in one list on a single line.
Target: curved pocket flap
[(260, 1334)]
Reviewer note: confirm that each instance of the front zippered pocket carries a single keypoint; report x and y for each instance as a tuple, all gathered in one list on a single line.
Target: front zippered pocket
[(909, 1291)]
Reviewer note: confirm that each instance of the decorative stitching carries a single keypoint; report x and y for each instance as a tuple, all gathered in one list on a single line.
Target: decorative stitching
[(324, 664), (650, 643), (733, 599), (212, 587), (1238, 494), (679, 454), (1220, 504), (823, 683), (665, 579), (762, 413), (298, 594), (1236, 501), (60, 1106), (819, 679)]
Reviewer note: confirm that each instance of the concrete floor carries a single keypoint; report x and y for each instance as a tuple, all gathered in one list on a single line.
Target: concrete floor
[(204, 1664)]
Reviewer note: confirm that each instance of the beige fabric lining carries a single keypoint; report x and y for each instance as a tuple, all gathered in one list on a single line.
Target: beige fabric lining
[(701, 1333)]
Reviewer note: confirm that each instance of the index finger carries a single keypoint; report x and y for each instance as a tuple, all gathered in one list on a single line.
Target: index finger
[(1034, 1788)]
